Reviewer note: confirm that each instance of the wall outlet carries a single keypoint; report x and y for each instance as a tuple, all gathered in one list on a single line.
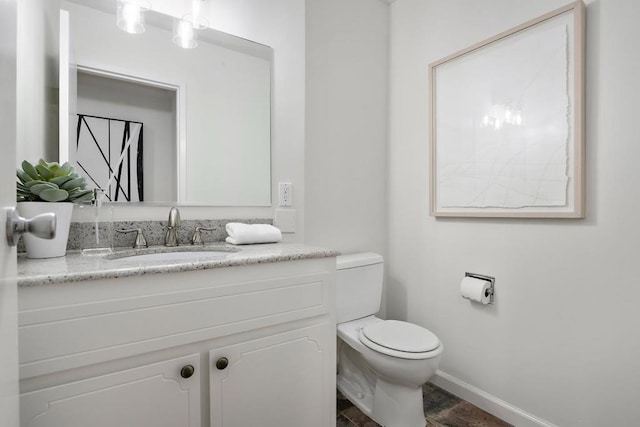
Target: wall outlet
[(285, 191)]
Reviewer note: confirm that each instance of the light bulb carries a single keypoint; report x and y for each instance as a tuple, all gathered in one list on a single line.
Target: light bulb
[(184, 35), (130, 17), (197, 13), (519, 119)]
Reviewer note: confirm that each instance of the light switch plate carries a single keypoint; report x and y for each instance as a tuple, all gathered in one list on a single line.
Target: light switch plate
[(285, 220)]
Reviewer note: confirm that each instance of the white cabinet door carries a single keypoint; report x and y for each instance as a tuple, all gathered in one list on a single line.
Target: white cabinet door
[(8, 290), (153, 395), (282, 380)]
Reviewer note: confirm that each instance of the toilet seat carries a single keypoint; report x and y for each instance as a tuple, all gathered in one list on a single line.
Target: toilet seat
[(400, 339)]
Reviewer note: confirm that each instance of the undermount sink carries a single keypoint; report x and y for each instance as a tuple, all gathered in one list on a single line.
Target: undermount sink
[(174, 256)]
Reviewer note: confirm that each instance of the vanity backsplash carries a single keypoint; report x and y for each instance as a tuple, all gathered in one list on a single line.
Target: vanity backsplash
[(154, 231)]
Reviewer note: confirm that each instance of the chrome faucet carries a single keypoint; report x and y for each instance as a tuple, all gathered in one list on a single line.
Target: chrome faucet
[(171, 237)]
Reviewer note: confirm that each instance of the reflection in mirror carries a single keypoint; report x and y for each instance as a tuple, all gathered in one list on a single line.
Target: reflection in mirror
[(148, 170), (176, 125)]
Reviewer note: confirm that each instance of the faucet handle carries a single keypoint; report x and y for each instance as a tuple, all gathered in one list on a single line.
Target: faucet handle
[(196, 239), (140, 242)]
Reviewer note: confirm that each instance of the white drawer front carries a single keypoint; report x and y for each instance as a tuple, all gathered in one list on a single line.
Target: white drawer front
[(57, 338)]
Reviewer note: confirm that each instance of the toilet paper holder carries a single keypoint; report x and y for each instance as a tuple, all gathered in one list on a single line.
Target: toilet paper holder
[(492, 280)]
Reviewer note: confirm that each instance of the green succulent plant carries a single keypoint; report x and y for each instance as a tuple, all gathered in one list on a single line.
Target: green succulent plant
[(51, 182)]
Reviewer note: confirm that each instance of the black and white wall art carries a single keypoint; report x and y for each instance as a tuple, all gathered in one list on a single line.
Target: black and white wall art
[(109, 154)]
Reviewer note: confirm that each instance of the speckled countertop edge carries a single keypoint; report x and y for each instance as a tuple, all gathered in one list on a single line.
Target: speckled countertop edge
[(75, 267)]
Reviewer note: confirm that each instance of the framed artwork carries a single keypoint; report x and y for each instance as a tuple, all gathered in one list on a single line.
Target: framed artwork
[(109, 155), (507, 123)]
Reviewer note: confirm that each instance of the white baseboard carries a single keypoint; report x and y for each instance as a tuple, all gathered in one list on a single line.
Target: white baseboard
[(488, 402)]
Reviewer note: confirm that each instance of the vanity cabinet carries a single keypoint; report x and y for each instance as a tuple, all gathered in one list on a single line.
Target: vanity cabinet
[(111, 352), (277, 379), (150, 395)]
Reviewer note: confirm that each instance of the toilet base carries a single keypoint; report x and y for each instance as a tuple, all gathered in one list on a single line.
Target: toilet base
[(391, 405), (397, 406), (355, 380), (361, 400)]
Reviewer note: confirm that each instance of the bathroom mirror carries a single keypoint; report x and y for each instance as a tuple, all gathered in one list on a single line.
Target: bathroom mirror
[(196, 123)]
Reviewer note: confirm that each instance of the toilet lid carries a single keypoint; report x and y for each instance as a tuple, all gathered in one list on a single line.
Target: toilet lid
[(401, 336)]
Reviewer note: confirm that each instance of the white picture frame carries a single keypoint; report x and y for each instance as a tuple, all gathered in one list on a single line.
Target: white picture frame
[(507, 123)]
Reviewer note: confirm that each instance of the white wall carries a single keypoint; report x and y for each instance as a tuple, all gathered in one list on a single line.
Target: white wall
[(37, 82), (346, 149), (561, 341)]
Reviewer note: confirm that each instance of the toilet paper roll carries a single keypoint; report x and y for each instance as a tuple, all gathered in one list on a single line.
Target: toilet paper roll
[(475, 289)]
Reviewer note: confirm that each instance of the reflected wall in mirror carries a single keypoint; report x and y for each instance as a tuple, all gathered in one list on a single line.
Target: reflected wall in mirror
[(206, 112)]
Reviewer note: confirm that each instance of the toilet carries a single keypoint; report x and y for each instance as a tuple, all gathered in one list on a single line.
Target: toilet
[(382, 364)]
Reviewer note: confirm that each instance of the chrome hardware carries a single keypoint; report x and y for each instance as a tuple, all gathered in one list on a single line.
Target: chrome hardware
[(222, 363), (187, 371), (43, 226), (196, 239), (492, 280), (140, 242), (171, 237)]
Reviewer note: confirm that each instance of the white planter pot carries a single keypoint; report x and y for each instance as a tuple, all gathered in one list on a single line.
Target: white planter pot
[(44, 248)]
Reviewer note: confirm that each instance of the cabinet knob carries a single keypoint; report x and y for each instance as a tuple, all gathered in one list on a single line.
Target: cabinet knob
[(187, 371), (222, 363)]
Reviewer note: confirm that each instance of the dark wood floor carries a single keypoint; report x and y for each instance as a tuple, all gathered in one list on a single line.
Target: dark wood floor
[(440, 409)]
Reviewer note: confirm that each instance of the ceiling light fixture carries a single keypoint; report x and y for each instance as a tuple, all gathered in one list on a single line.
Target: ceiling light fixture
[(184, 35), (130, 16), (197, 12), (196, 17)]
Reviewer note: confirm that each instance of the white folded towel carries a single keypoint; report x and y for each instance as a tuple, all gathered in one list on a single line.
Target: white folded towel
[(246, 234)]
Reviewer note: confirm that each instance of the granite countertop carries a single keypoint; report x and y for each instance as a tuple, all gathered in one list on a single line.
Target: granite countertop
[(75, 267)]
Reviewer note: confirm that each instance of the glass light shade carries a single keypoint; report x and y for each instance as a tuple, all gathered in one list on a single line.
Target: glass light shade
[(130, 16), (184, 35), (197, 12)]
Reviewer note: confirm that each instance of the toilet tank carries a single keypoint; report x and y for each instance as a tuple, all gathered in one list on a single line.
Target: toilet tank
[(358, 285)]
